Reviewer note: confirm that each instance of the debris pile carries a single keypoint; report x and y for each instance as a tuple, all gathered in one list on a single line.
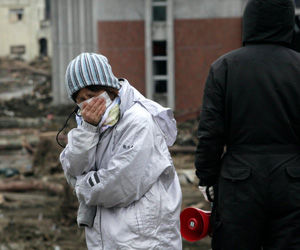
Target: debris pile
[(37, 207), (187, 133), (25, 87)]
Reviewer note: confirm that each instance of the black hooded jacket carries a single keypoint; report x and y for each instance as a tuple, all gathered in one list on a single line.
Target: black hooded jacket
[(251, 101)]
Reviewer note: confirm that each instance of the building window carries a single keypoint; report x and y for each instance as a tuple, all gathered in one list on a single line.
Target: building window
[(161, 86), (297, 2), (16, 15), (159, 48), (159, 55), (159, 10), (159, 13), (160, 67), (47, 9), (17, 50), (160, 71), (43, 47), (160, 94)]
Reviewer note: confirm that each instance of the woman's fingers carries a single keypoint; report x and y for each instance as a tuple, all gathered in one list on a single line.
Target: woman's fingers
[(93, 105), (93, 111), (211, 192), (101, 110)]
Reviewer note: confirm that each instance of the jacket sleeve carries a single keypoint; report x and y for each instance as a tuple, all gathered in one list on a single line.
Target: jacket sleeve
[(79, 155), (128, 175), (210, 132)]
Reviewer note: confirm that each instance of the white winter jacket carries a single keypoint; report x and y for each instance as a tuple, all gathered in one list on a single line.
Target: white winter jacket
[(127, 172)]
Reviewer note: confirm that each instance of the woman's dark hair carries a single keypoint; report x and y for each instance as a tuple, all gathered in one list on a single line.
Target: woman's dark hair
[(96, 88)]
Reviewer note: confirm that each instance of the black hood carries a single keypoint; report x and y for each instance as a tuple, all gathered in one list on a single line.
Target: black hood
[(269, 21)]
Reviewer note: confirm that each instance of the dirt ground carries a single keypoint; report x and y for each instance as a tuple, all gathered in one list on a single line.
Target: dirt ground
[(37, 207)]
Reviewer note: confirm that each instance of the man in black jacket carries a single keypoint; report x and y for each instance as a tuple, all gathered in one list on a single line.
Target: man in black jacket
[(251, 107)]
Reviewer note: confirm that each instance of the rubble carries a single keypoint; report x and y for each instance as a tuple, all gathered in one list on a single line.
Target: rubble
[(183, 149), (25, 89), (9, 172), (37, 207), (187, 177), (187, 133), (30, 185)]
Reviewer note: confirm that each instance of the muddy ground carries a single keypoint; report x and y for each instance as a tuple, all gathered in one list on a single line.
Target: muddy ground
[(37, 208)]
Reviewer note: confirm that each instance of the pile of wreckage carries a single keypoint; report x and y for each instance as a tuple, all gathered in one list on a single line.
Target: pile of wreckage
[(37, 207)]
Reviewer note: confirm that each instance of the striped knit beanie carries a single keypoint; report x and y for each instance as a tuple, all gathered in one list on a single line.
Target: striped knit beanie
[(89, 69)]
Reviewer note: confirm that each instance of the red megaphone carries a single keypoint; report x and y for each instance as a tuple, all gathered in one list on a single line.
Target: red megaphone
[(194, 223)]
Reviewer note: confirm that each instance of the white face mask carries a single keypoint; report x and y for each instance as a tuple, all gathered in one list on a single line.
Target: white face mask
[(104, 95)]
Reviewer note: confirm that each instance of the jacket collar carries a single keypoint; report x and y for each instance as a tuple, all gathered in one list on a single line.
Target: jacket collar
[(128, 96)]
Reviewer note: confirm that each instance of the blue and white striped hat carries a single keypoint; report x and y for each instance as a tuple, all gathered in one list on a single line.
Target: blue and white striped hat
[(89, 69)]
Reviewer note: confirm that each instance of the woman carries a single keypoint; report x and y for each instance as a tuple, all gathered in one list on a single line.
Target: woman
[(120, 159)]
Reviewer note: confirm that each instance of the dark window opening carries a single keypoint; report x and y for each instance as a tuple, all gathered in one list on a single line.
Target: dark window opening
[(162, 99), (159, 48), (159, 68), (157, 1), (297, 2), (160, 94), (43, 47), (17, 50), (16, 14), (160, 86), (47, 9), (19, 16), (159, 13)]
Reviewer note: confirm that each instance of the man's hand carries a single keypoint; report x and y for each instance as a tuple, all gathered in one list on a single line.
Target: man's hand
[(207, 191), (92, 112)]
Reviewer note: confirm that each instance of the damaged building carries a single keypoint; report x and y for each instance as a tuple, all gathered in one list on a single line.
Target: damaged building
[(163, 47), (25, 29)]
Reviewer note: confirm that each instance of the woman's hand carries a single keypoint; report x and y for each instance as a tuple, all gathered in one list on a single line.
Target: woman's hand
[(207, 192), (93, 111)]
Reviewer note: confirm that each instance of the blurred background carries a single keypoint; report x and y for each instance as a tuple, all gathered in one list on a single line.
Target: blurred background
[(163, 47)]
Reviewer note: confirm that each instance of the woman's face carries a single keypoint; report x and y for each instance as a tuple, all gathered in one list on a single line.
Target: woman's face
[(85, 94)]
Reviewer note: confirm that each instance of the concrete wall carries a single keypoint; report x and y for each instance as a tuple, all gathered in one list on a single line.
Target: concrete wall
[(203, 31), (130, 10), (195, 9), (119, 10), (74, 30), (25, 32)]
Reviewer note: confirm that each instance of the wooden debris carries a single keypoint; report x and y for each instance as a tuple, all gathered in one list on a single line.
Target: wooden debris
[(183, 149), (20, 65), (29, 149), (31, 185), (2, 200)]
